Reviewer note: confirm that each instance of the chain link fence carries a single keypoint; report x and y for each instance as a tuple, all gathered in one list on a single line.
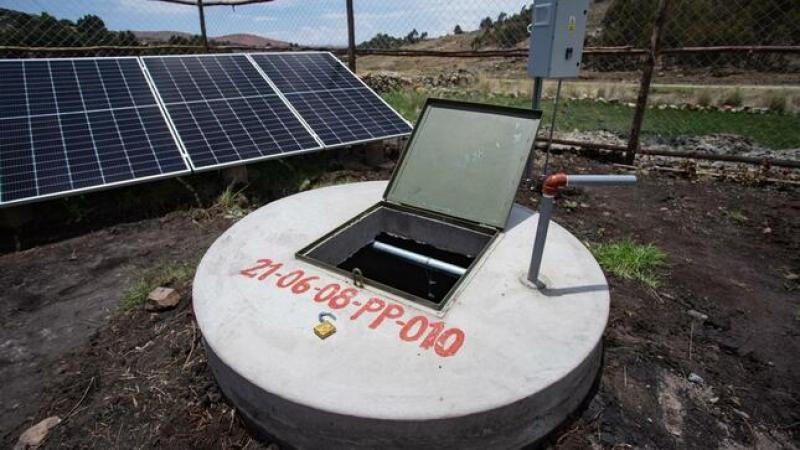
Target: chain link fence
[(726, 75)]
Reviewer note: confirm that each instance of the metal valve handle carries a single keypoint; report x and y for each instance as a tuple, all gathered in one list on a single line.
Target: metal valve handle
[(549, 189)]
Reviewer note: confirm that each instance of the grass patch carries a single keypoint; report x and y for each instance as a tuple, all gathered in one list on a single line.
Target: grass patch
[(704, 98), (733, 98), (233, 203), (406, 102), (776, 131), (776, 102), (169, 275), (631, 261), (735, 215)]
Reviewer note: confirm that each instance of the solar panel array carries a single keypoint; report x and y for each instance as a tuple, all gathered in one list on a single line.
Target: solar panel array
[(224, 111), (71, 125), (332, 100)]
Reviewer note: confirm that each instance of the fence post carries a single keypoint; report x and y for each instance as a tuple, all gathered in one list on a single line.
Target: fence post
[(202, 24), (644, 85), (351, 37)]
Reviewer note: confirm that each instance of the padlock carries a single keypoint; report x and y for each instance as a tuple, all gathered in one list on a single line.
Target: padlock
[(324, 328)]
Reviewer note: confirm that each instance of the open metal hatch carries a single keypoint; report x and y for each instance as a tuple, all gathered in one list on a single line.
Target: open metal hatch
[(450, 195)]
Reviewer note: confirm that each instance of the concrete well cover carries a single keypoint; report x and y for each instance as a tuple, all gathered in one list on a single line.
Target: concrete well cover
[(519, 362)]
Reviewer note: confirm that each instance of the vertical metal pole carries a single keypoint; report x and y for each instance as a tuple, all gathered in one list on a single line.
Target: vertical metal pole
[(536, 101), (351, 36), (203, 33), (545, 212), (536, 104), (644, 85), (546, 167)]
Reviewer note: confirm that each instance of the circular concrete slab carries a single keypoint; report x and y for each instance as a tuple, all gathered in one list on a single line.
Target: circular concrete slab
[(499, 367)]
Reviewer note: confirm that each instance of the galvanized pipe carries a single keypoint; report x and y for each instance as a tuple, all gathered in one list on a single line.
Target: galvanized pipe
[(421, 260), (600, 180), (545, 212), (549, 189)]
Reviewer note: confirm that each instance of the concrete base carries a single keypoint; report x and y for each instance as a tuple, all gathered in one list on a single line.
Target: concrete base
[(499, 367)]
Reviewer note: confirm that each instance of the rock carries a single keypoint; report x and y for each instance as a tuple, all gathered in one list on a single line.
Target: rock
[(742, 414), (695, 378), (697, 315), (162, 298), (34, 436), (385, 81)]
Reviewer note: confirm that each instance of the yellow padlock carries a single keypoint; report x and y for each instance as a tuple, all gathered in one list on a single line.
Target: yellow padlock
[(324, 328)]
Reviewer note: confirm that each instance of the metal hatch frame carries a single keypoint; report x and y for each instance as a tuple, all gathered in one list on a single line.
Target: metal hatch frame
[(490, 232)]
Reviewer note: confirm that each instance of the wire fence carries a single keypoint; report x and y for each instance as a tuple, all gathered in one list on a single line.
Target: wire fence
[(725, 75)]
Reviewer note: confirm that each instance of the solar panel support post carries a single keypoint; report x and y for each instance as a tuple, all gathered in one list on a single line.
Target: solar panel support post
[(351, 37), (202, 15)]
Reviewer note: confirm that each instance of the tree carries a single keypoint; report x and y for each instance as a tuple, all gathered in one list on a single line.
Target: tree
[(486, 23), (90, 24), (501, 17), (458, 30)]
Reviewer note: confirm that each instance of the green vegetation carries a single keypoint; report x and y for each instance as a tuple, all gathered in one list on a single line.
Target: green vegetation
[(631, 261), (172, 274), (385, 41), (735, 215), (232, 203), (30, 30), (194, 39), (507, 31), (704, 98), (701, 23), (776, 102), (776, 131), (733, 98)]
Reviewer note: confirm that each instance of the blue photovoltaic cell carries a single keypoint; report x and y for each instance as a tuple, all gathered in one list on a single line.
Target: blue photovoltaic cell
[(224, 111), (331, 99), (73, 124)]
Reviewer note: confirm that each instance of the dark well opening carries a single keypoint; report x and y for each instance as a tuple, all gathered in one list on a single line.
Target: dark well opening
[(350, 246)]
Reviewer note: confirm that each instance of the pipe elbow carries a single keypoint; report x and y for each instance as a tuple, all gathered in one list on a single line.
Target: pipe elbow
[(553, 182)]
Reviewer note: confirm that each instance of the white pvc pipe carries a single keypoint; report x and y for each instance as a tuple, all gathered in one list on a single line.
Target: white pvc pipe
[(421, 260)]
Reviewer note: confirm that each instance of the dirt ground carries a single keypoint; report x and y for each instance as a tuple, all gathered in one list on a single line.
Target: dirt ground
[(140, 380)]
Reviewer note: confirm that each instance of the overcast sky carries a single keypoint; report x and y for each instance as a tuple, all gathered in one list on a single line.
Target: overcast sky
[(312, 22)]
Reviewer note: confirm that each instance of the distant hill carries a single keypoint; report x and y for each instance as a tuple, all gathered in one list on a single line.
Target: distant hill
[(244, 39), (250, 40)]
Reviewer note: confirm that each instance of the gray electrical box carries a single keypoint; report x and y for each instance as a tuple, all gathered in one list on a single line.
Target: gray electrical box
[(558, 29)]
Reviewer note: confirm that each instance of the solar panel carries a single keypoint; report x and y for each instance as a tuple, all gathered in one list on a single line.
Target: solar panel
[(335, 103), (70, 125), (224, 111)]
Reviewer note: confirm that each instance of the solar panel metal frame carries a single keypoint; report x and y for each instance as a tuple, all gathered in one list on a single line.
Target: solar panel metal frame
[(113, 184), (343, 144), (321, 146)]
